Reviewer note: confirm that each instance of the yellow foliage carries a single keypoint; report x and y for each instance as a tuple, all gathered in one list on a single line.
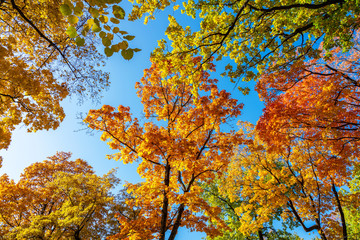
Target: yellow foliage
[(56, 199)]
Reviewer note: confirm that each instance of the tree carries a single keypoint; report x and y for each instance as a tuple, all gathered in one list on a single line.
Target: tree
[(186, 147), (228, 213), (293, 180), (47, 53), (316, 100), (351, 201), (57, 199), (261, 35)]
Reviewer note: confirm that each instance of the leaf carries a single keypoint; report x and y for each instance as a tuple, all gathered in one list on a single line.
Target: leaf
[(115, 30), (80, 41), (107, 27), (136, 49), (123, 45), (73, 19), (103, 19), (94, 12), (78, 11), (108, 52), (95, 28), (114, 20), (127, 54), (102, 34), (118, 12), (71, 32), (106, 41), (65, 9), (129, 37), (115, 48)]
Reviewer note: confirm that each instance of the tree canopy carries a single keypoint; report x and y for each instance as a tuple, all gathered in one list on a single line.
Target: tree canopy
[(57, 199), (298, 166), (48, 52), (185, 148), (256, 35)]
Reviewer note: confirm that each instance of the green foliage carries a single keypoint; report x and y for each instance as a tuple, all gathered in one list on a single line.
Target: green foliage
[(256, 34), (215, 197), (77, 14), (351, 199)]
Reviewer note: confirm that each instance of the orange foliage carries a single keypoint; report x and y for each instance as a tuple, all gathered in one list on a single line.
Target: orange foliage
[(318, 100), (187, 146)]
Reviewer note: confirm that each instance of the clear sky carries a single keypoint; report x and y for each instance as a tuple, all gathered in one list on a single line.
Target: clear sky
[(27, 148)]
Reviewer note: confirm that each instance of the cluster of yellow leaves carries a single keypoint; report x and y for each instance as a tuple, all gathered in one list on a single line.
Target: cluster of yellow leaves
[(186, 147), (26, 96), (56, 199), (47, 52), (291, 180)]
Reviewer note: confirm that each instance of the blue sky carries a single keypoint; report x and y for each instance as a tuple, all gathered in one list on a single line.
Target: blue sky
[(27, 148)]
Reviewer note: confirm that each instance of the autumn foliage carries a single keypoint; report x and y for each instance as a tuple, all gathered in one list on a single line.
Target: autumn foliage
[(48, 52), (186, 147), (57, 199), (297, 166), (316, 101), (291, 182)]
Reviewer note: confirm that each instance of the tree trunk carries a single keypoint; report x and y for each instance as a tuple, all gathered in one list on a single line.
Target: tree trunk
[(342, 216), (165, 206)]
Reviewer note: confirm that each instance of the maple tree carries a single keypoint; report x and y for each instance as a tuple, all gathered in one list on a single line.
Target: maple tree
[(255, 34), (57, 199), (293, 180), (316, 100), (186, 147), (48, 52)]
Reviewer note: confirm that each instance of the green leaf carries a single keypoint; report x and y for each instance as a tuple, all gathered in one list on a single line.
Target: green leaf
[(102, 34), (115, 48), (136, 49), (129, 37), (127, 54), (118, 12), (65, 9), (95, 28), (94, 12), (106, 41), (78, 11), (108, 52), (80, 41), (71, 32), (123, 32), (73, 19)]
